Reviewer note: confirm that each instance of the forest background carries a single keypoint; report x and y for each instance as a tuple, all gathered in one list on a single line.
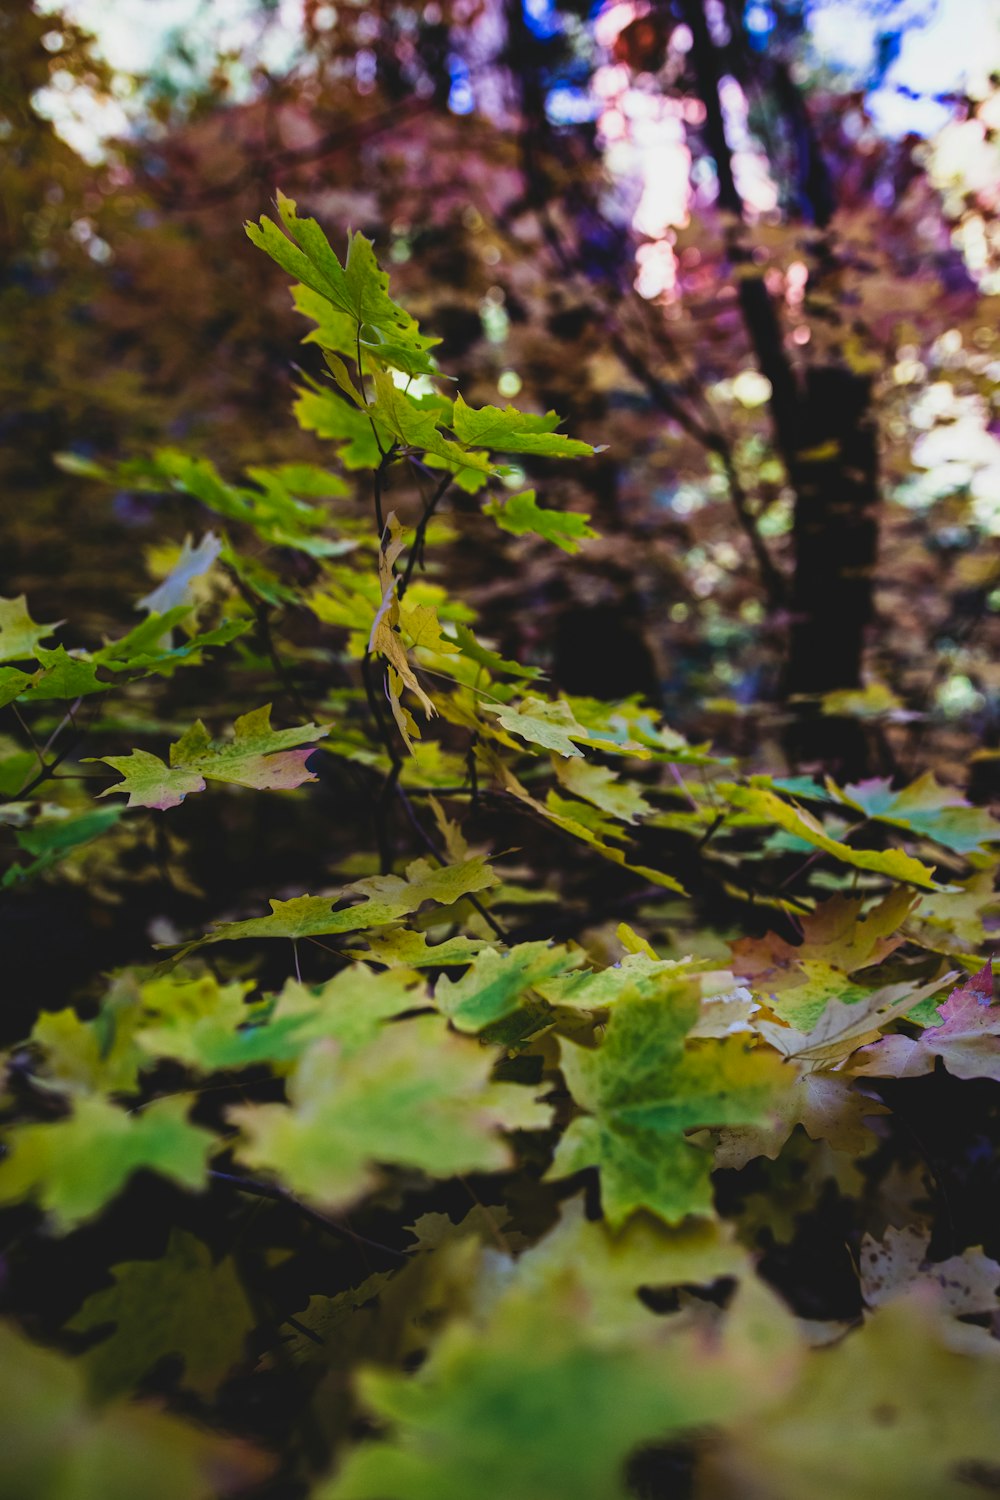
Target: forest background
[(750, 254)]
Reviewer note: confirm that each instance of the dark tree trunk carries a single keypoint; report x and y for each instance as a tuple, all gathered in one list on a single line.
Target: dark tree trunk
[(835, 532), (836, 482), (824, 430)]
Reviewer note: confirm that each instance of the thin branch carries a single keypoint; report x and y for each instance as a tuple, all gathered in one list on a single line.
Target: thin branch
[(281, 1195), (420, 535)]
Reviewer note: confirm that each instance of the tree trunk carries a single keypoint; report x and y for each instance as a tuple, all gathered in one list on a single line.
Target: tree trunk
[(824, 430)]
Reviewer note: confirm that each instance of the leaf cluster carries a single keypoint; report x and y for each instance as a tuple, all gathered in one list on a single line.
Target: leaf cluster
[(488, 1187)]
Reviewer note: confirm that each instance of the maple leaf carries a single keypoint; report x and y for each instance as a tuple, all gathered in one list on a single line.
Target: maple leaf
[(547, 1408), (556, 811), (74, 1166), (58, 1445), (385, 899), (496, 665), (643, 1090), (844, 1027), (829, 1108), (837, 935), (951, 922), (963, 1284), (181, 1303), (201, 1023), (595, 989), (60, 675), (560, 1372), (759, 800), (13, 683), (522, 516), (925, 807), (257, 756), (278, 517), (415, 1095), (967, 1040), (146, 648), (54, 834), (526, 1413), (895, 1411), (508, 430), (494, 984), (838, 942), (541, 722), (87, 1056), (19, 633), (602, 787), (400, 945), (349, 1009), (359, 287), (321, 411)]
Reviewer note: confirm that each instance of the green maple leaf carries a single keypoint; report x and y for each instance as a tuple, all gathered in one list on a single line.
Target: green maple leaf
[(358, 288), (323, 412), (549, 1399), (182, 1303), (608, 1267), (257, 756), (13, 683), (603, 788), (494, 984), (925, 807), (201, 1023), (74, 1166), (58, 1445), (524, 1413), (550, 724), (278, 516), (209, 1027), (50, 838), (147, 647), (758, 800), (385, 899), (414, 1095), (349, 1009), (336, 329), (521, 516), (90, 1057), (19, 633), (64, 676), (644, 1089), (401, 945), (507, 430), (635, 974), (415, 423), (495, 664), (144, 651)]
